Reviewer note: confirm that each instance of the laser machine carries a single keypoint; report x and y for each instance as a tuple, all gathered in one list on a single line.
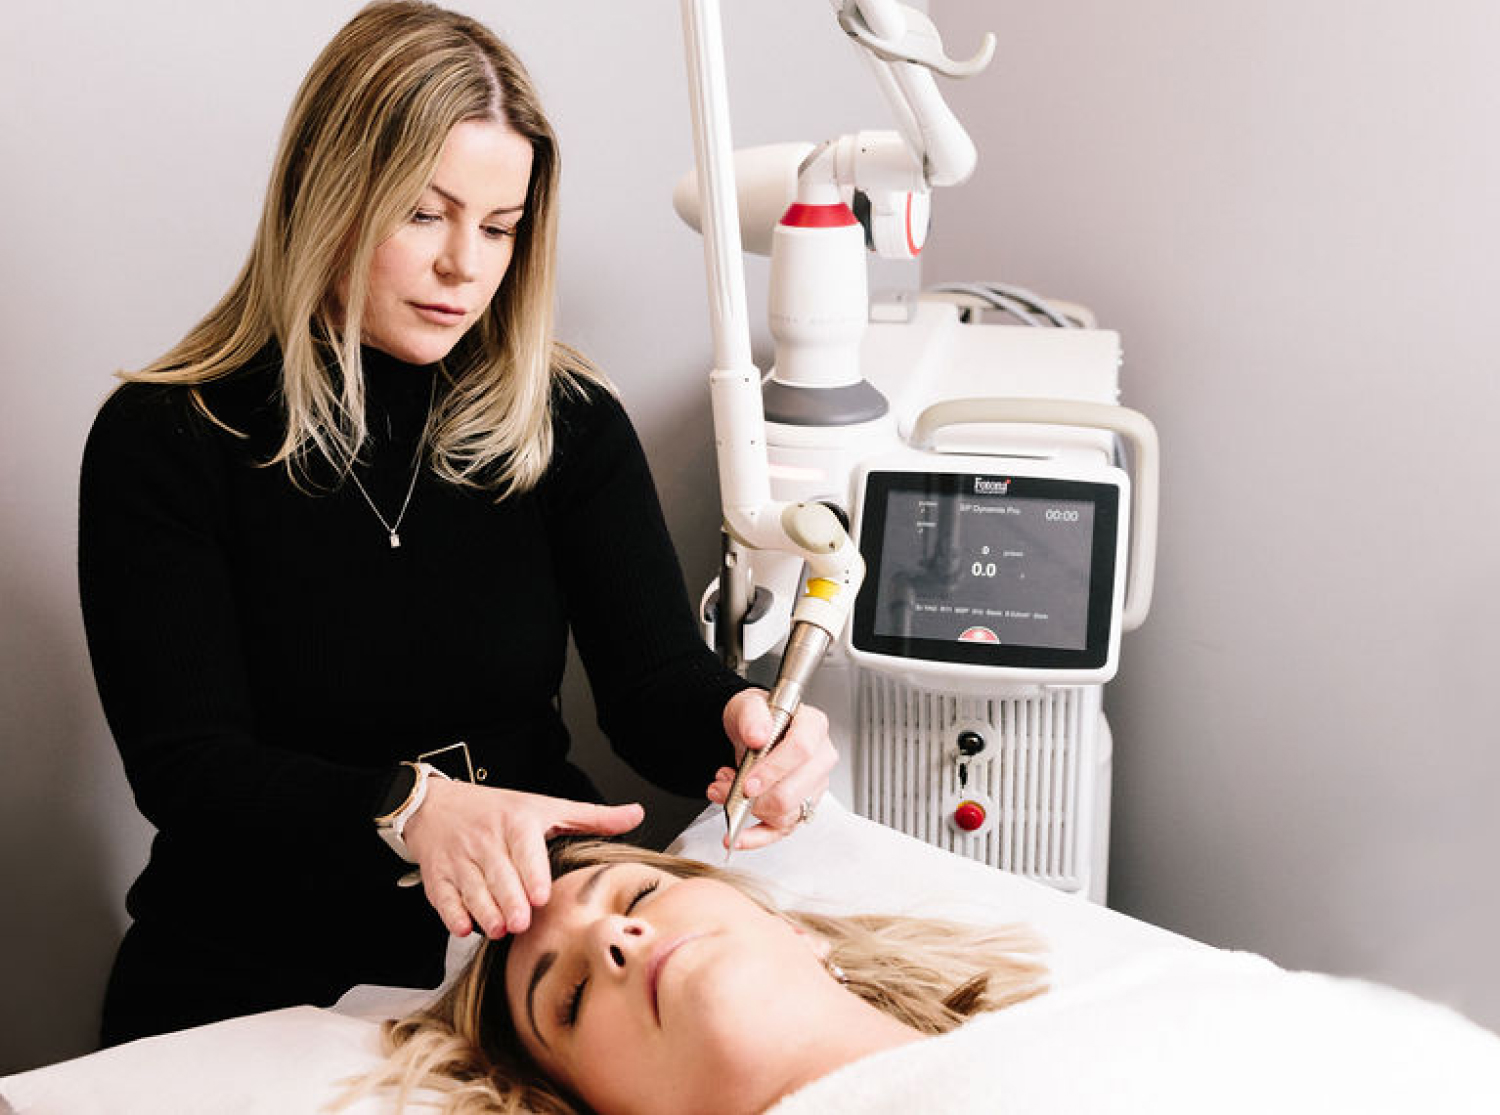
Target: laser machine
[(1000, 503)]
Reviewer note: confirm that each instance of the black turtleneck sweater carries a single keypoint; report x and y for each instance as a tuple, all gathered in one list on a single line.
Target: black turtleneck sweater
[(265, 658)]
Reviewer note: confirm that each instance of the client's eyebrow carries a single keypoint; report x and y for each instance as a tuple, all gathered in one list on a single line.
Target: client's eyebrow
[(544, 963), (593, 881), (547, 959)]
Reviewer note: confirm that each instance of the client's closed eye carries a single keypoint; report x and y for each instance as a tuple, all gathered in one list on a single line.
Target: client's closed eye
[(568, 1016), (572, 1002), (640, 894)]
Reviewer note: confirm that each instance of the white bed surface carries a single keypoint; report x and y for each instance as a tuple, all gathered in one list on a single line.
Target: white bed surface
[(274, 1063)]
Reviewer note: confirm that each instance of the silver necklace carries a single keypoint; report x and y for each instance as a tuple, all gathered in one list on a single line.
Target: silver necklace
[(394, 529)]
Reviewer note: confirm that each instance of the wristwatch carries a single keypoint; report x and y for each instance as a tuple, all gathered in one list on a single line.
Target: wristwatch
[(407, 791)]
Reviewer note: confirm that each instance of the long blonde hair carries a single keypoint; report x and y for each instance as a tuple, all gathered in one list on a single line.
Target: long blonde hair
[(932, 975), (360, 143)]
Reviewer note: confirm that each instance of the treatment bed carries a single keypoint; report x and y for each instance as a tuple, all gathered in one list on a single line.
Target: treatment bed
[(1125, 1013)]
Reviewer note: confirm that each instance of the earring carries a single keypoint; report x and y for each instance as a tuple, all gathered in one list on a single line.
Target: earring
[(835, 971)]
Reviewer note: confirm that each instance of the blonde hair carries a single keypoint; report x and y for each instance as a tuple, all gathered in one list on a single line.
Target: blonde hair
[(360, 144), (932, 975)]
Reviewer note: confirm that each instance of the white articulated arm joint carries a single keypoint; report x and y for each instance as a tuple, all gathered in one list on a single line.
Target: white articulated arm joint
[(814, 533), (835, 568), (809, 530), (882, 167), (904, 50)]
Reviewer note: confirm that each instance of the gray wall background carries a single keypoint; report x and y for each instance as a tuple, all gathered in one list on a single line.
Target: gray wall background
[(137, 140), (1287, 211)]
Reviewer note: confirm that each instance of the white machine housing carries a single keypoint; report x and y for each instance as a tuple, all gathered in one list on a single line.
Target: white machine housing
[(1039, 761)]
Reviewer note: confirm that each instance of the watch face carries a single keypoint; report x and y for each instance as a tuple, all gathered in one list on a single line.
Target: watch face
[(397, 791)]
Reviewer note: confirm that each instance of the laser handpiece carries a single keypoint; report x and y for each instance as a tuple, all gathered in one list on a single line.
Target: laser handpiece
[(805, 648)]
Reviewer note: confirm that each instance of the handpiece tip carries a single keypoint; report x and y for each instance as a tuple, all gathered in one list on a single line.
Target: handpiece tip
[(736, 816)]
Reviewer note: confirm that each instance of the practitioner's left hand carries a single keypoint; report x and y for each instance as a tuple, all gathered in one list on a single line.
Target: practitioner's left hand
[(796, 772)]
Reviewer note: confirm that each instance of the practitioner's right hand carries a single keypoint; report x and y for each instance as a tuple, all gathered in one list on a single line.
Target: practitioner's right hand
[(483, 850)]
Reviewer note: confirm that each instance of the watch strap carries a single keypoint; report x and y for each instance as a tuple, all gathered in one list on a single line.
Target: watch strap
[(392, 826)]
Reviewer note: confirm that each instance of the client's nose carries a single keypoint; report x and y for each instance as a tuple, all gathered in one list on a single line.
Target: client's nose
[(623, 938)]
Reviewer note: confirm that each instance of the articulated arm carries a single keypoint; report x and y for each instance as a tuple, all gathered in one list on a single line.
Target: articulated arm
[(894, 173), (752, 520)]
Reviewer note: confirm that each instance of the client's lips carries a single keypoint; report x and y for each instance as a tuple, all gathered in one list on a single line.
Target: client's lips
[(656, 963)]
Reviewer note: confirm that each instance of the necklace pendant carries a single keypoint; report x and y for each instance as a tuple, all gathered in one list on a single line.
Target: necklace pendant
[(393, 529)]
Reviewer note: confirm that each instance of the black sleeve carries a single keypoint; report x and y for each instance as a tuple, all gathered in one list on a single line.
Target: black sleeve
[(660, 691), (163, 635)]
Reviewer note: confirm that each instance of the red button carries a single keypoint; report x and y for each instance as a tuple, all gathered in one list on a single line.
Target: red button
[(969, 815)]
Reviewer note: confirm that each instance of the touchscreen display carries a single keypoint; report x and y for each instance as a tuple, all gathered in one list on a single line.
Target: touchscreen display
[(989, 569), (985, 568)]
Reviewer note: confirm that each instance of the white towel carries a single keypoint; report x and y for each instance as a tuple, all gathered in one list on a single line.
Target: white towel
[(1179, 1031)]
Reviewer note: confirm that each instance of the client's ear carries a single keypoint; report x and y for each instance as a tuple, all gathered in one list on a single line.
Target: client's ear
[(820, 946)]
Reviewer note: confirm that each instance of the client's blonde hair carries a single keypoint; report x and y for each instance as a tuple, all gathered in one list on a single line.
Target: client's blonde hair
[(932, 975)]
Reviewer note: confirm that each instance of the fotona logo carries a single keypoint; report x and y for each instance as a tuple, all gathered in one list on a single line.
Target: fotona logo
[(984, 486)]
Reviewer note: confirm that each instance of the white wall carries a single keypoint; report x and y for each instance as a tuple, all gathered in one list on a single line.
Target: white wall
[(137, 139), (1289, 211)]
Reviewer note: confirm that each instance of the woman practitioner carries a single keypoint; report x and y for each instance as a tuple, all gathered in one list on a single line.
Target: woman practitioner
[(332, 546)]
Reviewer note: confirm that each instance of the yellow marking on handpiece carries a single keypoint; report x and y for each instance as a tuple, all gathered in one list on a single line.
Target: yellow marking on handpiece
[(822, 588)]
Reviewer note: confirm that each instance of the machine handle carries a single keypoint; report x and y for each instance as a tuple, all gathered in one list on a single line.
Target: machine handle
[(1131, 425)]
